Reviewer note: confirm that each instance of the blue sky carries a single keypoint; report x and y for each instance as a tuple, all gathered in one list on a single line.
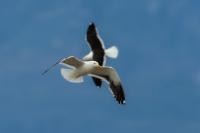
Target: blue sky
[(158, 63)]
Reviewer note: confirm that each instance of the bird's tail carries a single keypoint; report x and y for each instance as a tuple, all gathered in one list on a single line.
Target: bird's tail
[(68, 74), (112, 52)]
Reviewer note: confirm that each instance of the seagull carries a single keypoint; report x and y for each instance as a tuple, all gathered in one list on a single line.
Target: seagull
[(78, 68), (98, 52)]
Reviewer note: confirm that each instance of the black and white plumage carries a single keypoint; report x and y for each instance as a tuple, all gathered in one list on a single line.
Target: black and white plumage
[(98, 52), (79, 68)]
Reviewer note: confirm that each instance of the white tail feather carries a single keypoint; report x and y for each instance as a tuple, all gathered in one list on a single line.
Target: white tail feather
[(68, 74), (112, 52)]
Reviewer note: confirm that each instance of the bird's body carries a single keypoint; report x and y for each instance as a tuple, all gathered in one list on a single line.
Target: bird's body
[(81, 68), (84, 69)]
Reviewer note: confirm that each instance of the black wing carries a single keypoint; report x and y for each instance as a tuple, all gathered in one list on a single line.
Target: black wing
[(94, 39), (99, 57), (97, 48), (97, 81), (118, 92)]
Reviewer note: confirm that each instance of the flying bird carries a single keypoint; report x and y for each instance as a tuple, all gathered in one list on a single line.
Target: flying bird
[(78, 68), (98, 52)]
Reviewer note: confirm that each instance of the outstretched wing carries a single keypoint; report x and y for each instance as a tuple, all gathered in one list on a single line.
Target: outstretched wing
[(94, 39), (97, 46), (72, 62), (97, 81), (110, 75)]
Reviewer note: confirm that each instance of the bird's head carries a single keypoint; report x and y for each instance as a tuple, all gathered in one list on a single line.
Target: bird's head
[(93, 63)]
